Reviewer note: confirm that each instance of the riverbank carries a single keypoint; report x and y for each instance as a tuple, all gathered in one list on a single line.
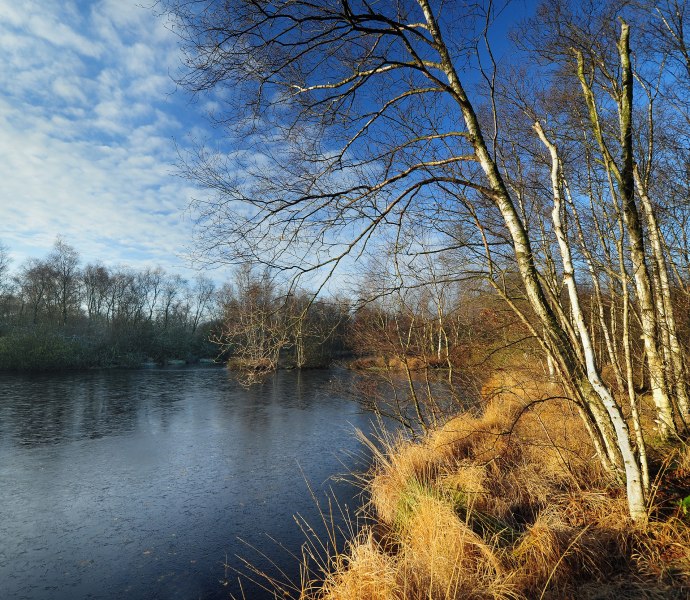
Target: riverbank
[(397, 363), (495, 506)]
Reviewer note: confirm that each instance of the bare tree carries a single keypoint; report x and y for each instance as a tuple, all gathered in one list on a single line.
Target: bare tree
[(95, 281), (5, 261), (254, 329), (202, 295), (171, 292), (151, 284), (36, 284), (364, 123), (64, 261), (5, 283)]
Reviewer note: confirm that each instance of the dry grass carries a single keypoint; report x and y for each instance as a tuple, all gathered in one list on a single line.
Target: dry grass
[(441, 555), (396, 363), (364, 572), (495, 506)]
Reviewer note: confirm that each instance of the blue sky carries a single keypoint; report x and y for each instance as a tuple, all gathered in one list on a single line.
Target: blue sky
[(89, 118), (88, 115)]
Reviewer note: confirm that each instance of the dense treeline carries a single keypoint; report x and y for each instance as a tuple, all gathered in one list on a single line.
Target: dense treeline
[(55, 313)]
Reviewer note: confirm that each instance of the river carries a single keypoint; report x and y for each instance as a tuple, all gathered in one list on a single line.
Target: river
[(145, 484)]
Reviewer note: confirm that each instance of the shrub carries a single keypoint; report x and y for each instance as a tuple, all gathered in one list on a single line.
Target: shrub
[(42, 351)]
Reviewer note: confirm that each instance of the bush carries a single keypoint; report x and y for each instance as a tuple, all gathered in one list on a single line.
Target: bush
[(42, 351)]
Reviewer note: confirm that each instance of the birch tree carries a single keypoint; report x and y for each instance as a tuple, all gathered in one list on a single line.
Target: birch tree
[(348, 122)]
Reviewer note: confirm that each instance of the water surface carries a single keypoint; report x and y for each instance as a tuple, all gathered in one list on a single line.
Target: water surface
[(141, 484)]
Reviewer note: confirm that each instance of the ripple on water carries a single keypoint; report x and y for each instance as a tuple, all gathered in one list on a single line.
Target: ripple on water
[(142, 483)]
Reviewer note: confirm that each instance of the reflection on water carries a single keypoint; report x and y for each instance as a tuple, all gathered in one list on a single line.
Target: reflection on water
[(140, 484)]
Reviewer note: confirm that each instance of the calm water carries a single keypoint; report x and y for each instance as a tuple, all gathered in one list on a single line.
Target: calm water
[(141, 484)]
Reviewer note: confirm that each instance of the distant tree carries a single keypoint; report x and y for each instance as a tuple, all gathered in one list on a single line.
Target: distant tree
[(201, 300), (5, 261), (64, 262), (95, 284), (171, 294), (5, 284), (151, 285), (100, 315), (254, 330), (36, 283), (314, 328)]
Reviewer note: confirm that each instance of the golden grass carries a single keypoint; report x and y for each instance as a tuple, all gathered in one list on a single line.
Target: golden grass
[(495, 506), (364, 572), (441, 556), (396, 363)]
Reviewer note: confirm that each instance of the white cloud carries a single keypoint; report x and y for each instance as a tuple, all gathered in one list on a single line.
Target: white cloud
[(69, 90), (11, 13), (86, 128), (60, 35)]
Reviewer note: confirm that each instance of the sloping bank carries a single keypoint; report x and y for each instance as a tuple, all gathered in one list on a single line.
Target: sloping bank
[(492, 506)]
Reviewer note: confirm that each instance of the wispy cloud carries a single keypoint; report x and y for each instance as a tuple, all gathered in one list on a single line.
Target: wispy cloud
[(88, 114)]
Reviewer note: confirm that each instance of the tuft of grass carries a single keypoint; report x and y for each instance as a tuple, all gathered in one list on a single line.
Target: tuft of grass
[(441, 556), (363, 571)]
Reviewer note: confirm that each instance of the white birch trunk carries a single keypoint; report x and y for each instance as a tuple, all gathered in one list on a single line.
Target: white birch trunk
[(633, 475), (597, 396), (670, 329)]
